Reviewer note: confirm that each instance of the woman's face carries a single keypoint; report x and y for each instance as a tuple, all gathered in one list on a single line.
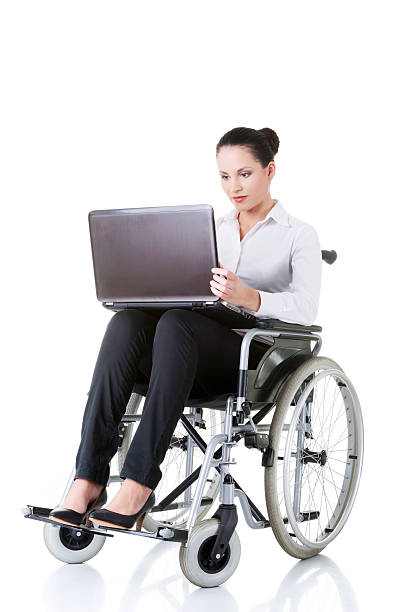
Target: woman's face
[(243, 175)]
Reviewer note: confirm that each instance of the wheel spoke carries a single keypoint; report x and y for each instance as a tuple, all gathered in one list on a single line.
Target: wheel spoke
[(326, 471)]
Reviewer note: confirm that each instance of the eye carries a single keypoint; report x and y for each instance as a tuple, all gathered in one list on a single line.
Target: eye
[(245, 174)]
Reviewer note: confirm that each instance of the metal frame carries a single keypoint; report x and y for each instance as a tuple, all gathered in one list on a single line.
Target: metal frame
[(227, 492)]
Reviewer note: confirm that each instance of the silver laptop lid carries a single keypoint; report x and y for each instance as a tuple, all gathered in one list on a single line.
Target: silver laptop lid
[(161, 253)]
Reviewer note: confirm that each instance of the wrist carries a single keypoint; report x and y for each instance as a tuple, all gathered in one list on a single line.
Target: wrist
[(254, 302)]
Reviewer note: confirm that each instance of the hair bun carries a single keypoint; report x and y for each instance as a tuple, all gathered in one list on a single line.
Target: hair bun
[(272, 137)]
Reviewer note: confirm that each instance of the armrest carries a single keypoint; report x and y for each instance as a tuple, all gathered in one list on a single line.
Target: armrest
[(277, 324)]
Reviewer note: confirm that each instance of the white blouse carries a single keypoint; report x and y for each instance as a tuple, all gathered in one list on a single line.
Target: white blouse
[(281, 257)]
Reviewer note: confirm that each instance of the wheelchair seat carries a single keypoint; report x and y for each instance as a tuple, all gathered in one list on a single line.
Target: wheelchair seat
[(275, 365), (216, 402)]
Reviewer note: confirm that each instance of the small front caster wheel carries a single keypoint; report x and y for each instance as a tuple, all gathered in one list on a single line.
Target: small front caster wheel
[(70, 544), (195, 560)]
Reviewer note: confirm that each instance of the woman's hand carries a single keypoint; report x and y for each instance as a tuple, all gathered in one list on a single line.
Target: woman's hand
[(232, 290)]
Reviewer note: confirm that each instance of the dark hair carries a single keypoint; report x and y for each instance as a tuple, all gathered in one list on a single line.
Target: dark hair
[(263, 144)]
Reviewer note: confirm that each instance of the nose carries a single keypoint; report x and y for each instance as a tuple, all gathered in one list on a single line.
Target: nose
[(236, 186)]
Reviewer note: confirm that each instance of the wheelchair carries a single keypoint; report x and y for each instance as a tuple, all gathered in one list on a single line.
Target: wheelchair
[(311, 449)]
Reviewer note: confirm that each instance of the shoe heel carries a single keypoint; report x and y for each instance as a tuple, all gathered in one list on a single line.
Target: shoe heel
[(139, 522), (87, 521)]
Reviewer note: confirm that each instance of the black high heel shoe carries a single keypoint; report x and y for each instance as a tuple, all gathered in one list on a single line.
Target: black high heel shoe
[(71, 517), (123, 521)]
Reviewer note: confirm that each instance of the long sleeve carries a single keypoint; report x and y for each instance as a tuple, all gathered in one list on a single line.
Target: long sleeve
[(300, 303)]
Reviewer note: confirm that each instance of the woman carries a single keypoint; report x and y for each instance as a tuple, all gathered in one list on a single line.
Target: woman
[(182, 354)]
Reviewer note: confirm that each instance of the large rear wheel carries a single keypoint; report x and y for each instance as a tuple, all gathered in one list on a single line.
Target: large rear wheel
[(317, 436)]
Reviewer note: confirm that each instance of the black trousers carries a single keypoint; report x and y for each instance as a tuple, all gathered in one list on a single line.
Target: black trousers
[(178, 354)]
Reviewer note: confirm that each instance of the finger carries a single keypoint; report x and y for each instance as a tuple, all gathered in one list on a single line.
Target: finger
[(221, 271), (219, 293), (221, 280), (216, 291), (219, 286)]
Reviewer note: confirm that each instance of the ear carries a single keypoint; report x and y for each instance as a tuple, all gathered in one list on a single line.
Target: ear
[(271, 170)]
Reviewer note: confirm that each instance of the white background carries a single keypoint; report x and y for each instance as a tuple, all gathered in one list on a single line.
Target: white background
[(121, 104)]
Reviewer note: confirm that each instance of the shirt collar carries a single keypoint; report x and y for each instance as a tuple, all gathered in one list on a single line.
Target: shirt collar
[(277, 212)]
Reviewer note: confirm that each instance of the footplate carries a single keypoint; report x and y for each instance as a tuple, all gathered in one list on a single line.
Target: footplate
[(164, 532)]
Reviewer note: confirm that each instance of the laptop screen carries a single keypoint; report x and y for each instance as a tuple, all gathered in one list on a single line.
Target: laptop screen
[(162, 253)]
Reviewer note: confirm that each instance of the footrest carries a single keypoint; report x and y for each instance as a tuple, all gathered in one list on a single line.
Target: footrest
[(164, 532), (29, 510), (41, 514)]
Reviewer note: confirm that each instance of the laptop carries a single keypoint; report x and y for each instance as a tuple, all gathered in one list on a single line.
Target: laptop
[(157, 258)]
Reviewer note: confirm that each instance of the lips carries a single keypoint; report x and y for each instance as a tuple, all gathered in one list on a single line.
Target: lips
[(240, 198)]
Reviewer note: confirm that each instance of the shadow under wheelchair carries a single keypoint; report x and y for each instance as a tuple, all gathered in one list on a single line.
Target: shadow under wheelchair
[(311, 451)]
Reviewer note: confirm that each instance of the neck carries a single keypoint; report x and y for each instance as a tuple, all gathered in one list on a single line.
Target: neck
[(257, 213)]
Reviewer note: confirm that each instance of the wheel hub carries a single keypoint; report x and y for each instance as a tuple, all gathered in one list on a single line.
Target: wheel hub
[(75, 538), (309, 456), (204, 560)]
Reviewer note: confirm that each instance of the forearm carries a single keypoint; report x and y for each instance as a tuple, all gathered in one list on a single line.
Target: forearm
[(298, 307)]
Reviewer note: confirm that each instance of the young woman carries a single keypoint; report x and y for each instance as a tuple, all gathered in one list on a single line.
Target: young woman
[(271, 265)]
